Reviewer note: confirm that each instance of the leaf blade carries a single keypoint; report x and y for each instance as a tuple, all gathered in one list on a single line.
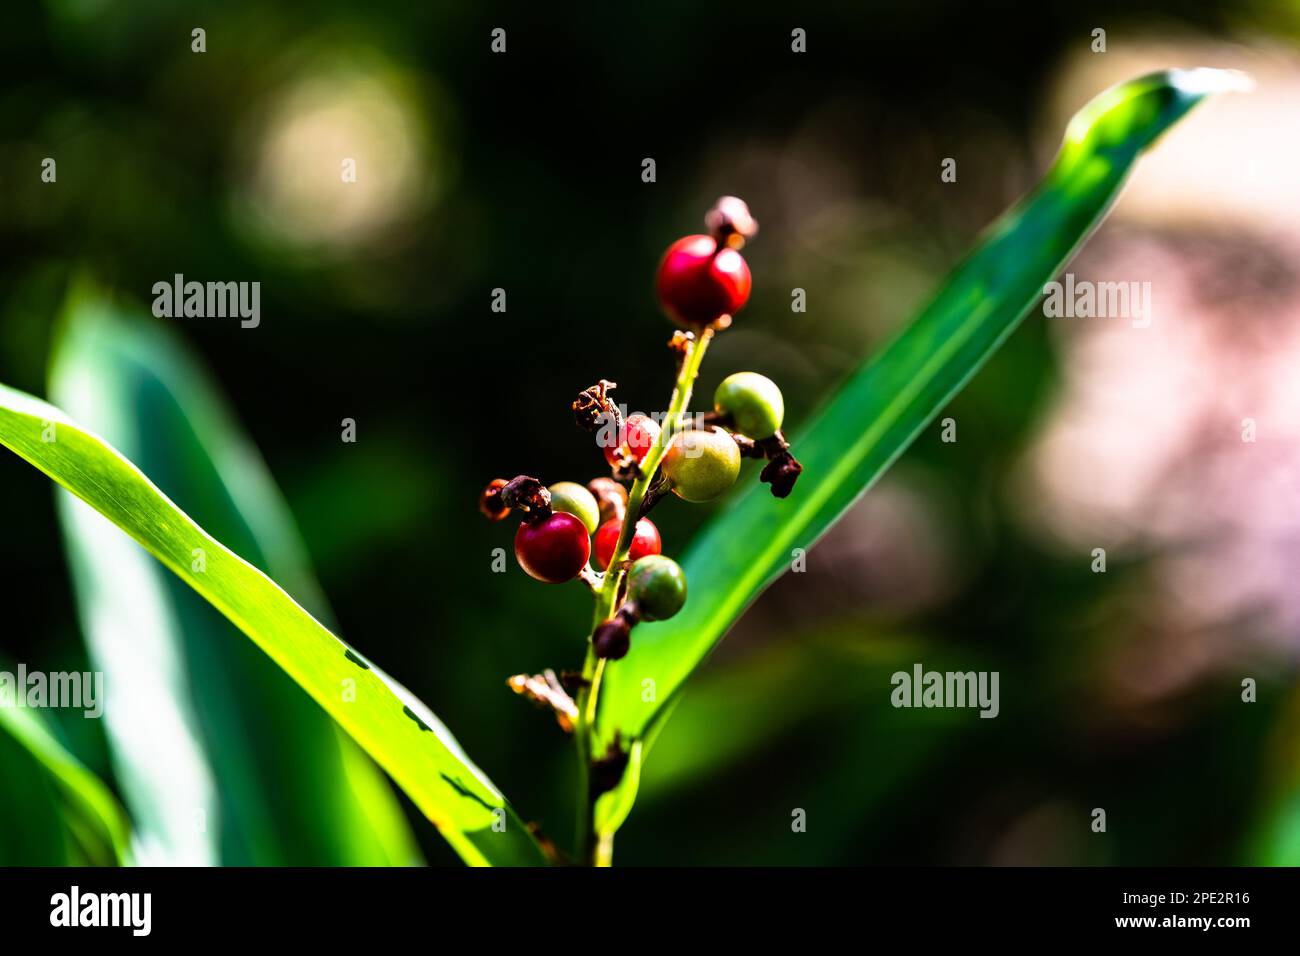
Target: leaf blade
[(417, 751), (97, 831), (894, 396), (201, 722)]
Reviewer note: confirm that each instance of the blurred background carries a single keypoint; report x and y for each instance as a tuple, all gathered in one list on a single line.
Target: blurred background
[(522, 171)]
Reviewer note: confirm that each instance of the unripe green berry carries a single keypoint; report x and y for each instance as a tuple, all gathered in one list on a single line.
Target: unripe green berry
[(571, 497), (701, 464), (753, 402), (658, 586)]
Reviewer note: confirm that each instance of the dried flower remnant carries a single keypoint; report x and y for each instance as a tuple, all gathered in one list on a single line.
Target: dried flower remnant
[(599, 534)]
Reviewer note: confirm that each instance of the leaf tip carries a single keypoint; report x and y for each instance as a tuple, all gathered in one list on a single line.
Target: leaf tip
[(1204, 80)]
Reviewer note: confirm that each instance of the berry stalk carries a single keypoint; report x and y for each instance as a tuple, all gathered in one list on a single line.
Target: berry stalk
[(591, 848), (599, 534)]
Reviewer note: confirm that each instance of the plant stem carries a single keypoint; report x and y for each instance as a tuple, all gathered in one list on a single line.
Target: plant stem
[(604, 850), (598, 849)]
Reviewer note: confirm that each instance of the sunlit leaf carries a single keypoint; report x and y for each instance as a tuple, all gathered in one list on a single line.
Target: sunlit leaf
[(878, 412), (399, 733), (53, 810), (221, 758)]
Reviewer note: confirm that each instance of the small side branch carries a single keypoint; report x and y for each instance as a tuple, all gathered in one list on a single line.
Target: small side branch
[(545, 688)]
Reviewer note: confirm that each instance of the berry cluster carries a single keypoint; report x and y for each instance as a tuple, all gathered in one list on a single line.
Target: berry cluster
[(599, 533)]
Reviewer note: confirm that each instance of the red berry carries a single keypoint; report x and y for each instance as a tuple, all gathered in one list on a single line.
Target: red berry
[(699, 282), (553, 550), (636, 436), (645, 540)]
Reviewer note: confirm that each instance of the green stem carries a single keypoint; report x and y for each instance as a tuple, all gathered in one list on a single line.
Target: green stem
[(598, 849), (604, 850)]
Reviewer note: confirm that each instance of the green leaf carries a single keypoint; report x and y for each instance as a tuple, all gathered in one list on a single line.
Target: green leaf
[(399, 732), (1273, 838), (221, 758), (769, 710), (885, 405), (817, 677), (53, 811)]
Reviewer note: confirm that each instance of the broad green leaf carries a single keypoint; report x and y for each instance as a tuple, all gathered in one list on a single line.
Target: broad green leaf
[(401, 734), (221, 758), (738, 713), (882, 408), (761, 718), (53, 811), (1274, 837)]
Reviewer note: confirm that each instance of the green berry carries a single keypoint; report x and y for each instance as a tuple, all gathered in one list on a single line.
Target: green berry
[(572, 498), (658, 586), (753, 402), (701, 464)]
